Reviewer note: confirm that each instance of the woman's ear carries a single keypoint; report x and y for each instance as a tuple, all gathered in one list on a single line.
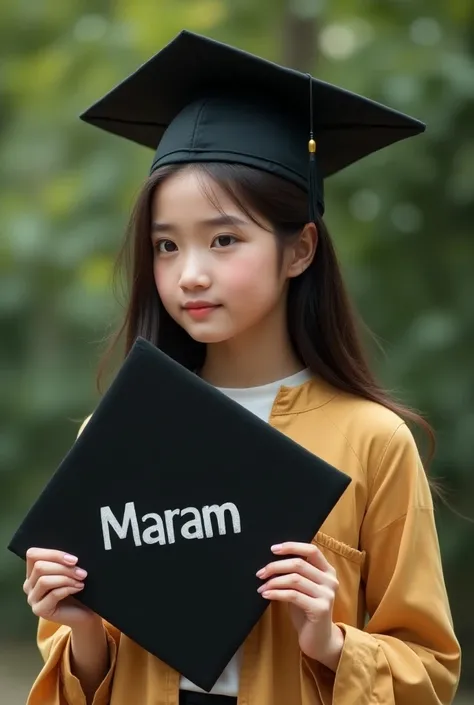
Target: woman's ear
[(302, 251)]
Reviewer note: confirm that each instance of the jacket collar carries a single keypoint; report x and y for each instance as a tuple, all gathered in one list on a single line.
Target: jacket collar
[(309, 395)]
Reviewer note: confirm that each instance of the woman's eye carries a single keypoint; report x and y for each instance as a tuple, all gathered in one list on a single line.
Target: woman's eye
[(165, 246), (224, 240)]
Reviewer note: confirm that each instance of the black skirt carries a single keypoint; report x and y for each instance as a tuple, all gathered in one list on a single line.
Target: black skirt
[(188, 697)]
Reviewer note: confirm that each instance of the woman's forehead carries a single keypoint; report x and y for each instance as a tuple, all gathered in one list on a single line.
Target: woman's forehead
[(189, 193)]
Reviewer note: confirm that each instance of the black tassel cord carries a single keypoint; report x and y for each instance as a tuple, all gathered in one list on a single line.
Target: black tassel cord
[(312, 185)]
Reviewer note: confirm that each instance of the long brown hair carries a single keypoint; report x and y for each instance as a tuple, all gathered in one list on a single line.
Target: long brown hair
[(322, 324)]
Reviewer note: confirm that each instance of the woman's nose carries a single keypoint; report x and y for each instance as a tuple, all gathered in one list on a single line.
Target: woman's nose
[(193, 276)]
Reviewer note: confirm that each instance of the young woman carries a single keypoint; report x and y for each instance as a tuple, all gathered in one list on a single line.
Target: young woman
[(234, 274)]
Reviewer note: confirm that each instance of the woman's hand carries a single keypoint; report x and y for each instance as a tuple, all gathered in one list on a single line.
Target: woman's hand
[(52, 579), (308, 583)]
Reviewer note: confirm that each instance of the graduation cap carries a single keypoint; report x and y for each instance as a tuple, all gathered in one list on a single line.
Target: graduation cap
[(171, 498), (199, 100)]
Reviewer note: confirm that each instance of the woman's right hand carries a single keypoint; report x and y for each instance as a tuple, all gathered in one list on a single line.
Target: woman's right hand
[(52, 580)]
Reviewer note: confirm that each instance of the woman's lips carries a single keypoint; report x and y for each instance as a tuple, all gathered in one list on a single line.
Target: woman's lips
[(199, 312)]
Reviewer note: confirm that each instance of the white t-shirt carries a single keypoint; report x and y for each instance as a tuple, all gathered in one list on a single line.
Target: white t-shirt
[(258, 400)]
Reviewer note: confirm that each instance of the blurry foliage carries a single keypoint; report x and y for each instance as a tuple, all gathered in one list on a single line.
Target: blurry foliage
[(402, 221)]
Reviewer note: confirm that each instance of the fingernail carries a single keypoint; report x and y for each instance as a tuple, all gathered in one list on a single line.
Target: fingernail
[(260, 573), (80, 572), (70, 559), (261, 588), (277, 547)]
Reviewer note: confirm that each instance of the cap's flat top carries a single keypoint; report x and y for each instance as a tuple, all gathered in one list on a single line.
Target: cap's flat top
[(171, 498), (348, 126)]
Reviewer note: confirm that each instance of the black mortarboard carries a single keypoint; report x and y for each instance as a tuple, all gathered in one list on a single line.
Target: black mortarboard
[(198, 100), (199, 489)]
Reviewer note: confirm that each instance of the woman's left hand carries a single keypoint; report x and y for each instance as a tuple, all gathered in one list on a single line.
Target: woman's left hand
[(308, 583)]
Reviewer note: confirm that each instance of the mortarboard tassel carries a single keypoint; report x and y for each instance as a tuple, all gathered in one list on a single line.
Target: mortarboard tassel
[(312, 186)]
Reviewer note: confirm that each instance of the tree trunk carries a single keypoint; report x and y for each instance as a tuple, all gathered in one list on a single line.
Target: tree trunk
[(300, 34)]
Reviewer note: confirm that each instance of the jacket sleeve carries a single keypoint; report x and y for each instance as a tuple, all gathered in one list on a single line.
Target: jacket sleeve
[(407, 653), (56, 684)]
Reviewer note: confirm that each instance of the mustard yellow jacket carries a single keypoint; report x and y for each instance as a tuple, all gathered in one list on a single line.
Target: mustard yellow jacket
[(400, 648)]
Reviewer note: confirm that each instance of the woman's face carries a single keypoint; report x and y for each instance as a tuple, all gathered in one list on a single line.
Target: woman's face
[(216, 272)]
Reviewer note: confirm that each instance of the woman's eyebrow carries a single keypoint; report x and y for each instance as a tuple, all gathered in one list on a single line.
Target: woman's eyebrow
[(218, 220)]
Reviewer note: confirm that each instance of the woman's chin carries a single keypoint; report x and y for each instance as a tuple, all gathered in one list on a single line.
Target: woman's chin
[(209, 336)]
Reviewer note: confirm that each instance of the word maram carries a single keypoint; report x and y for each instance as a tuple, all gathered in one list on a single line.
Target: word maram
[(162, 530)]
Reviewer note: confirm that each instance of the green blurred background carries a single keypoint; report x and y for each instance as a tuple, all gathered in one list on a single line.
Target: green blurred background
[(402, 222)]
